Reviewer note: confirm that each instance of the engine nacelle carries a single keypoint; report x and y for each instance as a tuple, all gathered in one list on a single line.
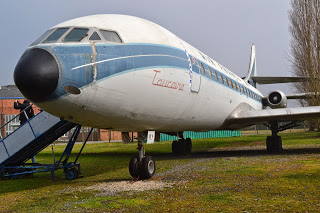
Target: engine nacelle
[(276, 99)]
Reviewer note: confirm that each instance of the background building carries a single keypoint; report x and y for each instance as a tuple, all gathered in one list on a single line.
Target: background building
[(8, 95)]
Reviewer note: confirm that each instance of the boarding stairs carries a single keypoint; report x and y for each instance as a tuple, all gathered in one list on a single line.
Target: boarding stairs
[(29, 139)]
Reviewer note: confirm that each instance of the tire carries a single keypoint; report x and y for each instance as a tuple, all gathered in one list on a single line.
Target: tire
[(188, 145), (269, 144), (278, 144), (274, 144), (182, 147), (134, 167), (175, 147), (72, 174), (148, 167)]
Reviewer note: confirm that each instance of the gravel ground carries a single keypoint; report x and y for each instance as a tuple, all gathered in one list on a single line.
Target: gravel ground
[(111, 188)]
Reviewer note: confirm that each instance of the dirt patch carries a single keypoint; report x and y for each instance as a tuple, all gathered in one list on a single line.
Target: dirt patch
[(110, 188)]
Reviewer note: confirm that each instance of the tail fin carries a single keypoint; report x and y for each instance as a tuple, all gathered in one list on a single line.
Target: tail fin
[(252, 67)]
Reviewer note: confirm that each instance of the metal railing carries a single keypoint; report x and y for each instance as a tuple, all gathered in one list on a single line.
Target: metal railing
[(23, 111)]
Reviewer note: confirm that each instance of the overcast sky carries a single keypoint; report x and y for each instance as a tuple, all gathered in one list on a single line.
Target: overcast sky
[(224, 30)]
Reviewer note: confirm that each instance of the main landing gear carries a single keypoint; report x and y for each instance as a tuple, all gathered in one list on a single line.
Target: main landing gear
[(274, 142), (142, 166), (182, 146)]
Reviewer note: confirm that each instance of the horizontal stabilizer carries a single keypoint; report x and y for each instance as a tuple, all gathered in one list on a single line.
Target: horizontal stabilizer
[(277, 80), (300, 96)]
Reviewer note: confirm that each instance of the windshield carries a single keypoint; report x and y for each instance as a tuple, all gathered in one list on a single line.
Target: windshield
[(44, 35), (77, 34), (56, 35), (110, 36)]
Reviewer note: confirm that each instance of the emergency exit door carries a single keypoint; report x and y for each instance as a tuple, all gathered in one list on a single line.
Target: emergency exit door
[(195, 83)]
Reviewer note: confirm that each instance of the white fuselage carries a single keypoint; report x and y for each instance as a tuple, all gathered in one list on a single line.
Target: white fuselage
[(148, 97)]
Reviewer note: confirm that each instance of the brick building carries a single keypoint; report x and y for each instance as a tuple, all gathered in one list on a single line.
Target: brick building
[(9, 94)]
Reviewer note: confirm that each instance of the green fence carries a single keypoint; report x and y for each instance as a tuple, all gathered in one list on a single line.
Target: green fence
[(200, 135)]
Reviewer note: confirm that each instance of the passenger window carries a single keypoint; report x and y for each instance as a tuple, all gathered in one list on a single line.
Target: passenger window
[(110, 36), (193, 60), (227, 81), (236, 86), (222, 79), (56, 35), (95, 37), (231, 83), (77, 34), (217, 78), (202, 69), (44, 35), (210, 73)]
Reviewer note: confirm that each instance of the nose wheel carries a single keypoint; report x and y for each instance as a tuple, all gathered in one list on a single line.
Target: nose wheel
[(142, 167)]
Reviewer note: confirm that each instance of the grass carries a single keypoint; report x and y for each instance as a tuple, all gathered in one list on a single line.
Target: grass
[(221, 175)]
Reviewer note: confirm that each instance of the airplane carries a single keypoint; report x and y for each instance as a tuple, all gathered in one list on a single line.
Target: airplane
[(125, 73)]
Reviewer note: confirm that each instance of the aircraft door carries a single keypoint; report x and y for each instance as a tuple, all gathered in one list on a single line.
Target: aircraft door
[(196, 76), (195, 82)]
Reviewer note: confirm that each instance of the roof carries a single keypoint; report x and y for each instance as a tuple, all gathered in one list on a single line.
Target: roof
[(10, 91), (131, 29)]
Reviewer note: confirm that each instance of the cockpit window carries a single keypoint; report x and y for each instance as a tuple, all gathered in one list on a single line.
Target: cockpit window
[(95, 37), (110, 36), (77, 34), (56, 35), (44, 35)]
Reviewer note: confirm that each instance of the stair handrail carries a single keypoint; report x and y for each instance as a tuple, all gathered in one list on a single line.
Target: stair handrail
[(23, 111)]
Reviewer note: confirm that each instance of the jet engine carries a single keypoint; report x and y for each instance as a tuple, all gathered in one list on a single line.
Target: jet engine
[(276, 99)]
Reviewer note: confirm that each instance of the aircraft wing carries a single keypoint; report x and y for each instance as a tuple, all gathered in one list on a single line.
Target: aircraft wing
[(277, 80), (241, 118)]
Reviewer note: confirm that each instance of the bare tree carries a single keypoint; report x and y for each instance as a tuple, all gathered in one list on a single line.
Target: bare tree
[(305, 47)]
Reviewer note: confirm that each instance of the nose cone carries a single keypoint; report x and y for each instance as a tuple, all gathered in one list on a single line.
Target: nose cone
[(37, 74)]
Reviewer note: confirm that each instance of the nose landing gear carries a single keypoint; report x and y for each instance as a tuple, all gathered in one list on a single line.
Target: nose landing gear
[(143, 166)]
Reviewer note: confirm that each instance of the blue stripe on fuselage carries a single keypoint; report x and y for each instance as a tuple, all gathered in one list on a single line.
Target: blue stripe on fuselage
[(131, 57)]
